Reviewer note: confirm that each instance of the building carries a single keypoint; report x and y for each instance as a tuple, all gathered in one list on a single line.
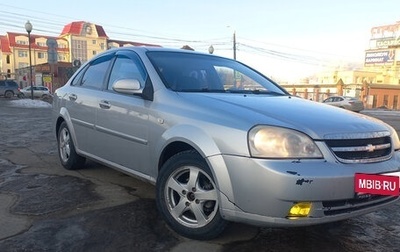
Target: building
[(383, 56), (15, 52), (54, 59), (377, 83)]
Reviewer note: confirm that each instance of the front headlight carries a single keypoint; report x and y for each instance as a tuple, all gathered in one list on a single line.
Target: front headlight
[(276, 142)]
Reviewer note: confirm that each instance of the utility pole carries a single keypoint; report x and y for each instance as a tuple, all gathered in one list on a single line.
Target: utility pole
[(234, 45)]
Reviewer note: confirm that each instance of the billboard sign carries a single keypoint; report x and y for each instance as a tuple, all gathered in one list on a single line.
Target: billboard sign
[(385, 57), (386, 31), (385, 43)]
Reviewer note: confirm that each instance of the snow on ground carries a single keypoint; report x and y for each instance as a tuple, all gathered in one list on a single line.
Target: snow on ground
[(29, 103)]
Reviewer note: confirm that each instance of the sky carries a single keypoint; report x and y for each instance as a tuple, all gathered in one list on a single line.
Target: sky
[(286, 40)]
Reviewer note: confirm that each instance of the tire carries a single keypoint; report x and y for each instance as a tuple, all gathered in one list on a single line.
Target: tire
[(46, 98), (189, 206), (66, 149), (8, 94)]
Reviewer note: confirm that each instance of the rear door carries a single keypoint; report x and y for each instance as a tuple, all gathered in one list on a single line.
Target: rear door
[(82, 103)]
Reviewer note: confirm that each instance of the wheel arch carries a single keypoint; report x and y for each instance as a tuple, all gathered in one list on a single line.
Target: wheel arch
[(65, 117), (185, 137), (171, 149)]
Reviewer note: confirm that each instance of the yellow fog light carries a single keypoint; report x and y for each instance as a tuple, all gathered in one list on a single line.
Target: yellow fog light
[(301, 209)]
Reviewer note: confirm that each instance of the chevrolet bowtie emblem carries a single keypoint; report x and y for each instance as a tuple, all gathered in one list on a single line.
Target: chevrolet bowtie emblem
[(370, 148)]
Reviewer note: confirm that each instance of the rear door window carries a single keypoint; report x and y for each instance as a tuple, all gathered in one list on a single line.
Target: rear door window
[(94, 76)]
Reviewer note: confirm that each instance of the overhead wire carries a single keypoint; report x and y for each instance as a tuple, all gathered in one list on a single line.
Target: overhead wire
[(54, 26)]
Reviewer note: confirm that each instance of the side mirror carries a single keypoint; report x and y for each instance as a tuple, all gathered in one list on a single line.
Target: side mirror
[(127, 86)]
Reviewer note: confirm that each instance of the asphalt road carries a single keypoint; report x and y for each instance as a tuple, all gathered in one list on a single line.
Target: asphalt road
[(44, 207)]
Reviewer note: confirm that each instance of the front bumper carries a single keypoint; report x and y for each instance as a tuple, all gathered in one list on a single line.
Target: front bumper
[(261, 192)]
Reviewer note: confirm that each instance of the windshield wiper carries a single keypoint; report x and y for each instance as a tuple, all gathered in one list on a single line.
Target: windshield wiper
[(253, 91), (207, 90), (257, 91)]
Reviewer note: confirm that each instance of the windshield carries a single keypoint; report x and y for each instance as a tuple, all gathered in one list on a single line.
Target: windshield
[(189, 72)]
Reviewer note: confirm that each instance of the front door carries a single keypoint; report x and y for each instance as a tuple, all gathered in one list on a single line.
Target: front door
[(122, 120)]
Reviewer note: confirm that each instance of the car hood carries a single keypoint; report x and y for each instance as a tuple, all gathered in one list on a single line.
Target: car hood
[(317, 120)]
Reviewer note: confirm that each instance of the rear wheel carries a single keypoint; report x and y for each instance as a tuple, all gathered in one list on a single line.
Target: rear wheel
[(188, 198), (66, 149), (8, 94)]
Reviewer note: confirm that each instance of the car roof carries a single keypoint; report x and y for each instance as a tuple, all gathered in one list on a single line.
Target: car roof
[(154, 49)]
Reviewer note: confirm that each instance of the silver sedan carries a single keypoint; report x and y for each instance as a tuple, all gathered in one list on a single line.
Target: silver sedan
[(222, 142), (38, 92), (345, 102)]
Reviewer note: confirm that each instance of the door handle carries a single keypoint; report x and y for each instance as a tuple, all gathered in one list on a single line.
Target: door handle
[(105, 104)]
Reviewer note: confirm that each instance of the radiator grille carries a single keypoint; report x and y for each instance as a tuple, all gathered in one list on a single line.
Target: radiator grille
[(364, 150)]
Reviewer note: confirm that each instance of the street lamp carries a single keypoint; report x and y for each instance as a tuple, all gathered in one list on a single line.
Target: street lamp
[(28, 28)]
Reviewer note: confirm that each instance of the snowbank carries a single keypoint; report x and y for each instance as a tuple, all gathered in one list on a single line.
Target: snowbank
[(28, 103)]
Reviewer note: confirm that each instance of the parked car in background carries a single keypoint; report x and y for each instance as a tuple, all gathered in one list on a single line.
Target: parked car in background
[(222, 142), (38, 92), (8, 88), (345, 102)]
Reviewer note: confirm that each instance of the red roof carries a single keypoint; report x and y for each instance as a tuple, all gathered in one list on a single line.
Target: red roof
[(10, 39), (4, 44), (75, 28)]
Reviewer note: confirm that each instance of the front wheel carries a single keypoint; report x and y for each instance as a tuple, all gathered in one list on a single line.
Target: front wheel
[(188, 198), (66, 149)]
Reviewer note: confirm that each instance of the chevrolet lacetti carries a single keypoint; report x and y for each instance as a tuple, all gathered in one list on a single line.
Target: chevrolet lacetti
[(221, 142)]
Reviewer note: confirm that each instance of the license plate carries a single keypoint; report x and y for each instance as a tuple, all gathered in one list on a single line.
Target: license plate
[(387, 184)]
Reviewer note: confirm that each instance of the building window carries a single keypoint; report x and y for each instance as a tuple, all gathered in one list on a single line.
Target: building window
[(385, 100), (395, 101), (61, 57), (79, 50), (374, 101), (94, 42), (102, 46), (94, 53), (23, 54), (41, 55), (41, 44), (22, 42), (8, 73), (8, 59)]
